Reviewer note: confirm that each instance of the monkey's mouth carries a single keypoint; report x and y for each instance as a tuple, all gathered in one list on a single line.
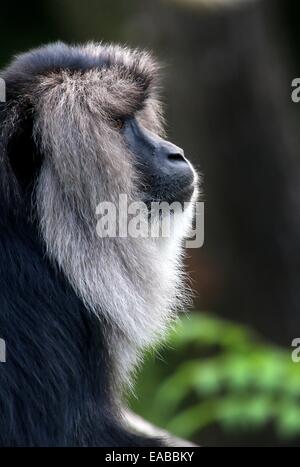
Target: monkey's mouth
[(169, 188), (185, 194), (179, 194)]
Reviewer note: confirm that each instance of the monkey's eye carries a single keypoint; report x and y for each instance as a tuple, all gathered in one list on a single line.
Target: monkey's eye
[(119, 123)]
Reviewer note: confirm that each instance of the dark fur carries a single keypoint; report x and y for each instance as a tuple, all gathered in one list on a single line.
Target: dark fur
[(55, 386)]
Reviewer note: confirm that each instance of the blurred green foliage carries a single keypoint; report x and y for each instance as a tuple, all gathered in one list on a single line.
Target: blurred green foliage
[(217, 372)]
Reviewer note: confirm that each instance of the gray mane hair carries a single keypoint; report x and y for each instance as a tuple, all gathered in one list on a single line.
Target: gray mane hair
[(136, 285)]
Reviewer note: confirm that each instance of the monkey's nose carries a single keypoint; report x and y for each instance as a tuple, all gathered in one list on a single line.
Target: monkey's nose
[(178, 165), (172, 153), (177, 157)]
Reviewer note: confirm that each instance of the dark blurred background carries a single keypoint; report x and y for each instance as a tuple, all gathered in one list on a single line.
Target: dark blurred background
[(227, 89)]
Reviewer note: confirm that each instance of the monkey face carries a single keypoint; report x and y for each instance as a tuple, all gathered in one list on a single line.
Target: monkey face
[(71, 100), (166, 175)]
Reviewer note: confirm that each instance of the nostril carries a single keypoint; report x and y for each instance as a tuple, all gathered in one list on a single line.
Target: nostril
[(176, 157)]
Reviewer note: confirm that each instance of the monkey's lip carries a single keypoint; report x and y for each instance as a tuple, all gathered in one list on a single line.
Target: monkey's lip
[(185, 194), (181, 195)]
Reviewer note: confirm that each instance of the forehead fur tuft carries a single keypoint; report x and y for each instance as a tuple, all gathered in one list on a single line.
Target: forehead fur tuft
[(130, 75)]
